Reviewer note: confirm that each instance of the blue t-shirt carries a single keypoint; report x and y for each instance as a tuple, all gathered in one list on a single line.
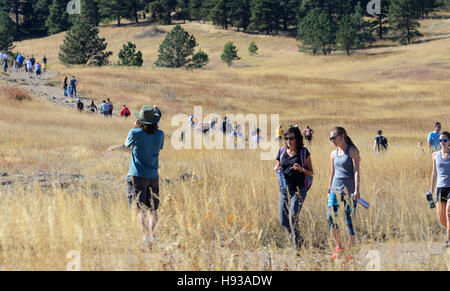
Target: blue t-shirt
[(73, 82), (145, 152), (433, 138)]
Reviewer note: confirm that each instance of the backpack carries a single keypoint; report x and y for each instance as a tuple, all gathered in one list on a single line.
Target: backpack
[(307, 179)]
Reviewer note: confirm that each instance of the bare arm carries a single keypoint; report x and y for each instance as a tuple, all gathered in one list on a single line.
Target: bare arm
[(331, 170), (433, 174), (354, 155)]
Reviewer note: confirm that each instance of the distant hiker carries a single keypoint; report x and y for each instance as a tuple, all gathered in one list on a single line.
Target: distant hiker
[(38, 70), (192, 120), (224, 125), (65, 86), (380, 143), (92, 107), (433, 138), (125, 111), (33, 60), (420, 150), (19, 60), (146, 141), (308, 133), (345, 173), (44, 63), (110, 107), (294, 164), (80, 105), (441, 173), (280, 132), (257, 138), (104, 108), (30, 68), (4, 61), (73, 87)]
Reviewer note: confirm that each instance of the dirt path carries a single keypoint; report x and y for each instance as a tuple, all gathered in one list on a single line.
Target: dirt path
[(44, 88)]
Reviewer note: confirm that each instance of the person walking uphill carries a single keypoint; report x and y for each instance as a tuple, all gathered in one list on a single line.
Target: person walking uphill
[(294, 163), (146, 141), (125, 111), (441, 173), (344, 174)]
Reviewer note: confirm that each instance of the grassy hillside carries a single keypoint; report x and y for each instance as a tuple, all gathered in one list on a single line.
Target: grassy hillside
[(227, 216)]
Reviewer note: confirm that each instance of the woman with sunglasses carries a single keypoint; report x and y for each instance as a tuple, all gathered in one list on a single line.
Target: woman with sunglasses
[(344, 174), (294, 169), (441, 173)]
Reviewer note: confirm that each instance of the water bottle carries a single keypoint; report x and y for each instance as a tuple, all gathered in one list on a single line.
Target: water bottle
[(332, 200), (430, 200), (281, 180), (363, 203)]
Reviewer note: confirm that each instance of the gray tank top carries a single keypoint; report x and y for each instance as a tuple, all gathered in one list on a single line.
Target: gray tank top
[(344, 174), (443, 170)]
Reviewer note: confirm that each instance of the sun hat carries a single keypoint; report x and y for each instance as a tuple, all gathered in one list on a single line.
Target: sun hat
[(147, 115)]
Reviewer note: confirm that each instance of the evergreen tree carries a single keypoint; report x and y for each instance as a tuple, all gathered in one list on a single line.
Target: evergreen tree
[(240, 15), (252, 49), (129, 57), (161, 10), (316, 32), (199, 60), (197, 10), (402, 18), (229, 54), (176, 49), (220, 14), (379, 22), (184, 11), (5, 6), (82, 45), (7, 32), (289, 11), (58, 19), (90, 11), (265, 16), (114, 9), (136, 6)]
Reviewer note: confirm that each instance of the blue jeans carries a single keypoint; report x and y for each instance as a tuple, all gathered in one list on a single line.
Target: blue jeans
[(290, 205)]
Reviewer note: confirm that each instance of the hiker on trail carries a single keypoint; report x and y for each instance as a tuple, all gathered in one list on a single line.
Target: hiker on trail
[(80, 105), (257, 138), (125, 112), (65, 86), (380, 144), (38, 70), (345, 173), (441, 174), (157, 111), (146, 141), (33, 60), (280, 133), (192, 120), (19, 60), (433, 138), (73, 87), (92, 107), (104, 108), (4, 61), (30, 68), (110, 107), (308, 133), (294, 161), (224, 125), (44, 63)]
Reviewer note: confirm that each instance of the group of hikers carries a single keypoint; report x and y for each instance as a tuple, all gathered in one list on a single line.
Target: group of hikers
[(26, 64), (295, 171)]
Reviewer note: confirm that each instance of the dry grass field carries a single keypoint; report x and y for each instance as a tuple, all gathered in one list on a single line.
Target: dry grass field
[(226, 216)]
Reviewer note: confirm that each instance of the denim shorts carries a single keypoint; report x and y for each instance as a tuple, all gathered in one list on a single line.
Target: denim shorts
[(144, 192), (443, 194)]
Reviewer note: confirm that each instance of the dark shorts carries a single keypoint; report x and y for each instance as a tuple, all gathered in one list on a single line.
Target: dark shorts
[(144, 192), (443, 194), (309, 138)]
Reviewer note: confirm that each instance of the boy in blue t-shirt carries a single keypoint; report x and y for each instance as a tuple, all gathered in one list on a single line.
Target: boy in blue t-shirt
[(433, 138)]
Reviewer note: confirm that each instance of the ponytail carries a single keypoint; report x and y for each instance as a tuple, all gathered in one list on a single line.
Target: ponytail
[(341, 131)]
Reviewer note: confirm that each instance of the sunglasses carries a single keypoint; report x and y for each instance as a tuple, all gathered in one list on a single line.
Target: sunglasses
[(443, 140), (289, 138), (333, 138)]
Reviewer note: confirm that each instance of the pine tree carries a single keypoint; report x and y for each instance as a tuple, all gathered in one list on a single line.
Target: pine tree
[(289, 11), (199, 60), (252, 49), (240, 15), (379, 22), (229, 54), (82, 45), (176, 49), (90, 11), (196, 9), (58, 20), (184, 11), (114, 9), (7, 32), (161, 10), (135, 7), (220, 14), (316, 32), (265, 15), (129, 57), (402, 18)]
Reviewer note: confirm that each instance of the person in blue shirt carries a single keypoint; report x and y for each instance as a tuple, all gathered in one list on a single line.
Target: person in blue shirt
[(433, 138), (145, 141), (73, 87)]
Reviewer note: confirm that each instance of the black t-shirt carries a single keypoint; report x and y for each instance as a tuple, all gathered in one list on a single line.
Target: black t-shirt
[(293, 178), (381, 142)]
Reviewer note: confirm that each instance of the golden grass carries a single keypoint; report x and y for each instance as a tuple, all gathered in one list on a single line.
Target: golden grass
[(227, 217)]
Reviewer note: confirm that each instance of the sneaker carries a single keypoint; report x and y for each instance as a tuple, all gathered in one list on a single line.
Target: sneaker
[(336, 253), (348, 258)]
